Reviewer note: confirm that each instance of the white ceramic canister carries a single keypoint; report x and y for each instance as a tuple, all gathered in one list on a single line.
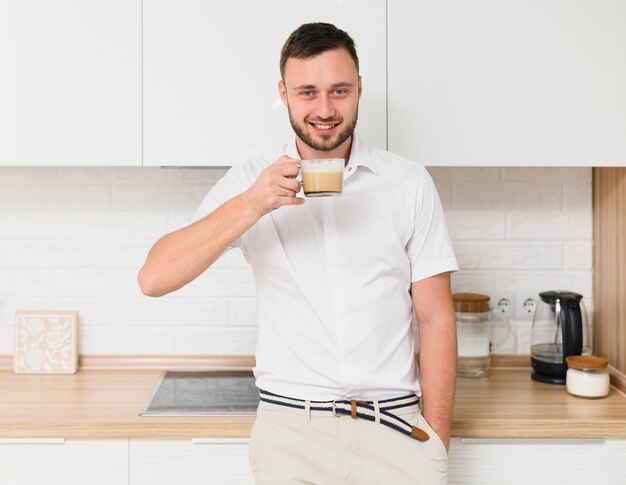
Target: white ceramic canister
[(587, 376)]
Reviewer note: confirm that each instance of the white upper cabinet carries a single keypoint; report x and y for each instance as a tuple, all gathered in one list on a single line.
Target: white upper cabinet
[(508, 82), (210, 75), (70, 88)]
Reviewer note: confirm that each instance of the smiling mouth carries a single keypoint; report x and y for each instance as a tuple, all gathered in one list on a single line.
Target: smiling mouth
[(324, 128)]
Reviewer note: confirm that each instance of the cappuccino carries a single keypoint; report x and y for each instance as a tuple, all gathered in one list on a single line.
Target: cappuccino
[(322, 177)]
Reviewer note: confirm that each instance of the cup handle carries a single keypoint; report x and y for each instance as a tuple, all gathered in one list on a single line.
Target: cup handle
[(495, 345), (299, 177)]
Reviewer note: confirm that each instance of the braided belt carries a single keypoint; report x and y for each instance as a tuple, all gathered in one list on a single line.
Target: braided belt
[(358, 409)]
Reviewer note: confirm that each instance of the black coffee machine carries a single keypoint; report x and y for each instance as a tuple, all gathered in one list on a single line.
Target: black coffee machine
[(560, 329)]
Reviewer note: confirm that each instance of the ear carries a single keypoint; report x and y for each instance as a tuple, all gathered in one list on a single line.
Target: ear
[(360, 87), (282, 90)]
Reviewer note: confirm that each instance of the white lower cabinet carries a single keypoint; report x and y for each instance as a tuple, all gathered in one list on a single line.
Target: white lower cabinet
[(537, 461), (222, 461), (67, 462)]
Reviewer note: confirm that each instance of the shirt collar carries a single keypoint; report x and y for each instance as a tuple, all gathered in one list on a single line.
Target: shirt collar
[(360, 154)]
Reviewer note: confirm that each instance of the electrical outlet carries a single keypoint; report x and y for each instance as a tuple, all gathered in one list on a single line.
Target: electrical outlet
[(529, 306), (504, 305), (504, 301), (526, 304)]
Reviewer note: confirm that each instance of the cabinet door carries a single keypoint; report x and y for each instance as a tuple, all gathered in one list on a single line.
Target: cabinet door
[(221, 461), (491, 82), (70, 89), (536, 461), (211, 75), (67, 462)]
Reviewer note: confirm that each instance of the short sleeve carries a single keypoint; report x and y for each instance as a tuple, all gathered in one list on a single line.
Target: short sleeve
[(230, 185), (429, 248)]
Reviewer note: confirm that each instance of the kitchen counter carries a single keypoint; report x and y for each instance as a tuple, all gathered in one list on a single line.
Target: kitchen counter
[(105, 404)]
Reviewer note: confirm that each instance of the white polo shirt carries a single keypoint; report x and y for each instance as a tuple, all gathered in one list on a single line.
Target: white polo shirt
[(333, 277)]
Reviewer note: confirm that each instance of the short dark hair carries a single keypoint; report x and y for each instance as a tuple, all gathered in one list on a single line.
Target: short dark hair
[(312, 39)]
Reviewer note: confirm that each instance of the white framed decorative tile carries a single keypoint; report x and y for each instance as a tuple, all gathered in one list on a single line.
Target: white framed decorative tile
[(46, 342)]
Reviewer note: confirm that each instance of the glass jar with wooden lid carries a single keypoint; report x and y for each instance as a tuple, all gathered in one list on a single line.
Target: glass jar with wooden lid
[(474, 321), (587, 376)]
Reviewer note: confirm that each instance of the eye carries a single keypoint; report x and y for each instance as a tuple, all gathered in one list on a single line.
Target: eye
[(306, 94), (341, 92)]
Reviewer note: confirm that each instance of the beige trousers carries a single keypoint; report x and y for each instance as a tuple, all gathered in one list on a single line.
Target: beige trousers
[(295, 446)]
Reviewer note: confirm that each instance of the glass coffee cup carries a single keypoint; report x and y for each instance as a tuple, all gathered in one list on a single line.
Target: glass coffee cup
[(322, 177)]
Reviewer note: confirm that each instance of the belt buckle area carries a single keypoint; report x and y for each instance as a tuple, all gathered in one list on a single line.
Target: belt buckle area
[(334, 408)]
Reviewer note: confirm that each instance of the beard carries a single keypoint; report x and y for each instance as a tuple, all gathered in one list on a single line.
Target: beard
[(328, 143)]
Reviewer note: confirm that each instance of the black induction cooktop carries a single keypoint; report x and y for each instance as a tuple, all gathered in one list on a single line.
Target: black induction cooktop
[(203, 393)]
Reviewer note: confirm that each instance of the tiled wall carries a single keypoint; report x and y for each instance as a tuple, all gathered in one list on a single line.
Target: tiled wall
[(74, 238)]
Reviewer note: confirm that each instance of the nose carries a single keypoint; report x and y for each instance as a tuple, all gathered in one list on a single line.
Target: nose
[(325, 108)]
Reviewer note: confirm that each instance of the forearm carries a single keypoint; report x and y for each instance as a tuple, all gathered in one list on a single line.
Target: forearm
[(438, 365), (181, 256)]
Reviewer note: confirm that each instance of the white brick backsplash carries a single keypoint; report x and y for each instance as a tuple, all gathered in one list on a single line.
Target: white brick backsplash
[(553, 226), (195, 175), (230, 282), (116, 339), (55, 197), (196, 340), (110, 175), (158, 196), (72, 254), (25, 282), (535, 282), (510, 196), (75, 238), (523, 334), (87, 282), (28, 175), (56, 254), (142, 311), (477, 225), (112, 225), (472, 281), (577, 197), (6, 340), (547, 174), (31, 225), (579, 255), (508, 255), (96, 311), (242, 311), (463, 174)]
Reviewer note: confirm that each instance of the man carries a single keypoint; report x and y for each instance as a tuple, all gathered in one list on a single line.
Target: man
[(337, 281)]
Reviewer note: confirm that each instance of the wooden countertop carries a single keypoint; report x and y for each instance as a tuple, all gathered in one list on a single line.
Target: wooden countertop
[(106, 403)]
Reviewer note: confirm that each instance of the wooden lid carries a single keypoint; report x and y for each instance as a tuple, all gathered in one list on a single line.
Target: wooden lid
[(470, 302), (586, 362)]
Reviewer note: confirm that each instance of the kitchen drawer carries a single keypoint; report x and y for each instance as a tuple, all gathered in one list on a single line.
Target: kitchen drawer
[(537, 461), (221, 461), (67, 462)]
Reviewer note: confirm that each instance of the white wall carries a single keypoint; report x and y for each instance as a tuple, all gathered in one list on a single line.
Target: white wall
[(74, 238)]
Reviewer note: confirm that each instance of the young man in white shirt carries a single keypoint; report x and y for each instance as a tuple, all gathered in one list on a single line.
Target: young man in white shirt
[(338, 278)]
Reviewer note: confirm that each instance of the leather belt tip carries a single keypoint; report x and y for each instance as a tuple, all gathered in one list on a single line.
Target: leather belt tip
[(419, 434)]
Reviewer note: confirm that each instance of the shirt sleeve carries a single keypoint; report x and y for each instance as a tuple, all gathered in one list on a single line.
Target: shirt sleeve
[(429, 248), (230, 185)]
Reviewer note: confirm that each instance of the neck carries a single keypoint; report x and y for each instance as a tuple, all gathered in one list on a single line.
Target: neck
[(308, 153)]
